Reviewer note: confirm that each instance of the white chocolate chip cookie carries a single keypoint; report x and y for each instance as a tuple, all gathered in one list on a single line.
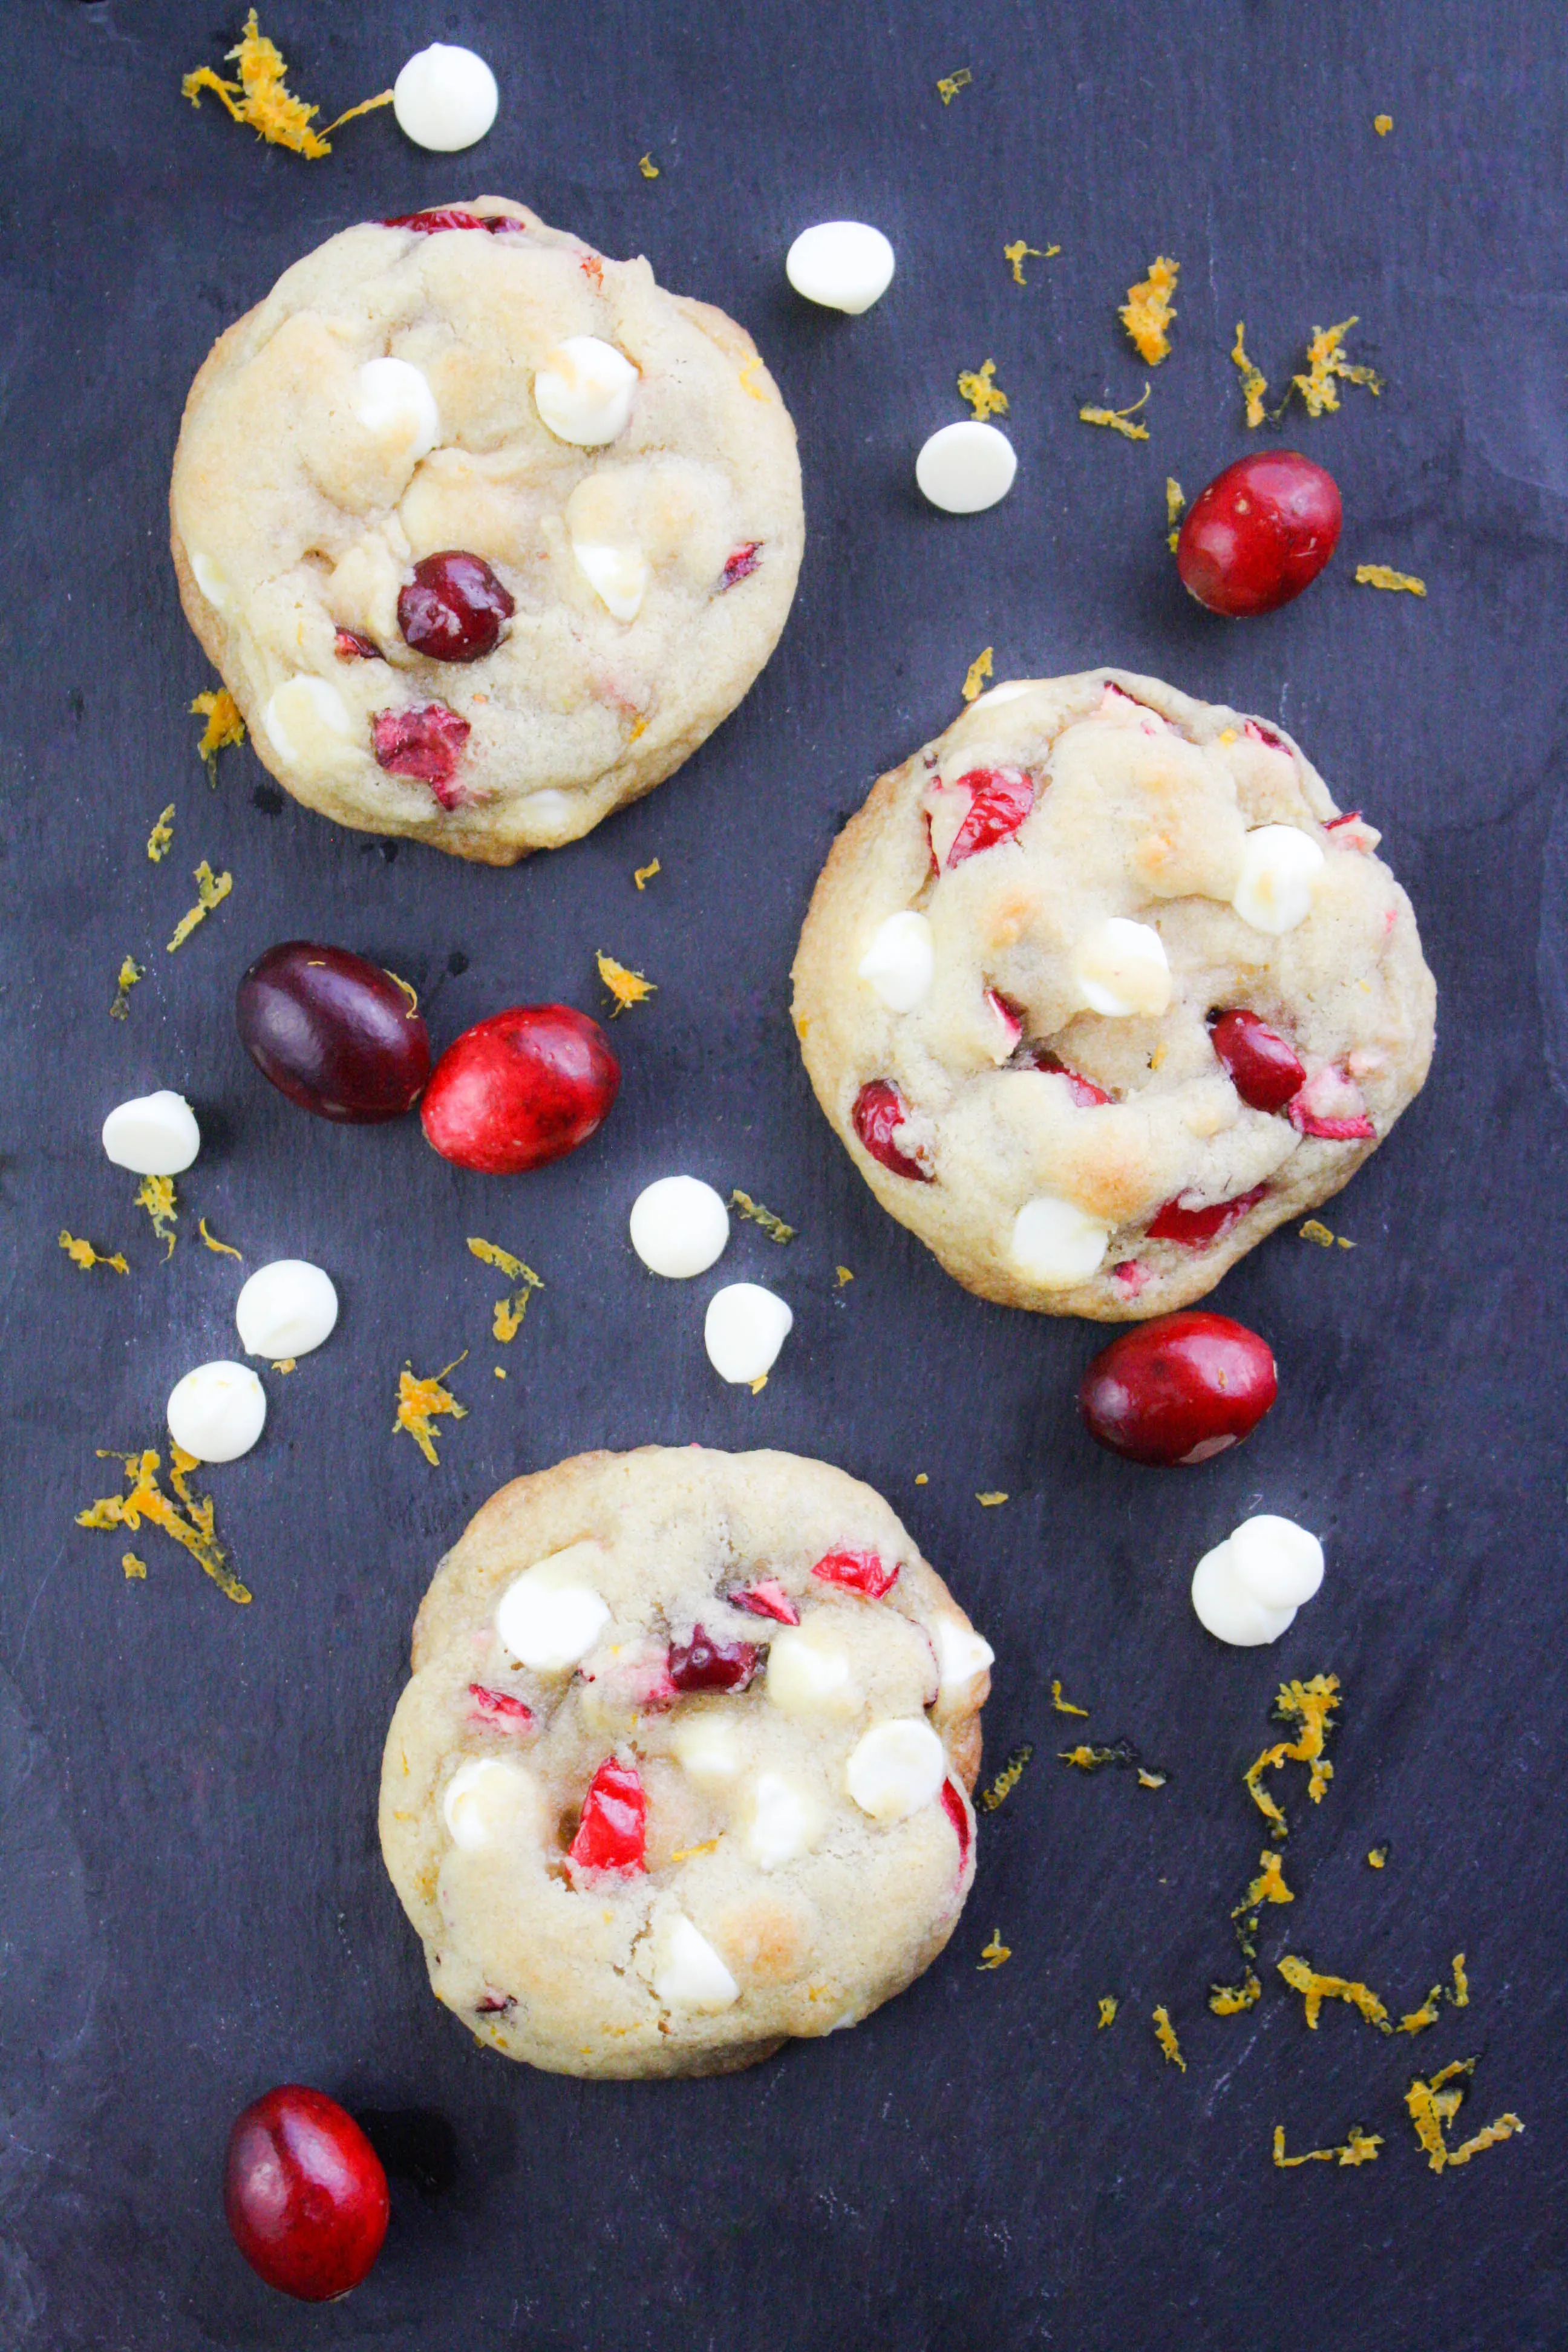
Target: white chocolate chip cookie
[(684, 1768), (485, 532), (1099, 988)]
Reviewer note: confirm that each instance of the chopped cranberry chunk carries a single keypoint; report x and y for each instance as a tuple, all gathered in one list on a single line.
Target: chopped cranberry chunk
[(489, 2005), (1134, 1276), (742, 565), (452, 609), (349, 646), (1001, 800), (857, 1572), (1084, 1091), (613, 1831), (767, 1598), (443, 216), (957, 1813), (1352, 816), (1009, 1018), (1261, 732), (1331, 1106), (879, 1112), (426, 744), (1265, 1071), (1195, 1228), (705, 1664), (499, 1709)]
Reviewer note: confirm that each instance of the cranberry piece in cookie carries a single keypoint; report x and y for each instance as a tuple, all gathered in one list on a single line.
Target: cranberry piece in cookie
[(857, 1572), (446, 217), (1194, 1228), (426, 744), (498, 1710), (1332, 1107), (879, 1112), (958, 1813), (706, 1663), (742, 565), (1179, 1390), (304, 2193), (349, 646), (1084, 1091), (1265, 1071), (1259, 534), (766, 1598), (1000, 798), (613, 1831), (453, 608)]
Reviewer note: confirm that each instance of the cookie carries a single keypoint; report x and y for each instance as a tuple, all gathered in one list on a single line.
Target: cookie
[(1100, 987), (486, 532), (684, 1766)]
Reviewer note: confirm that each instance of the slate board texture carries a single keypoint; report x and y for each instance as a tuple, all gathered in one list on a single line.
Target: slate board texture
[(191, 1903)]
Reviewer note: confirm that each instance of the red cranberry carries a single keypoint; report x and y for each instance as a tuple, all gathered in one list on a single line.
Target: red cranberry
[(426, 744), (1265, 1071), (857, 1572), (767, 1598), (957, 1811), (1084, 1091), (1261, 732), (1002, 798), (1193, 1228), (1260, 534), (520, 1089), (1332, 1105), (613, 1831), (333, 1032), (305, 2194), (1179, 1389), (349, 646), (443, 216), (452, 609), (1351, 817), (742, 565), (499, 1709), (880, 1110), (704, 1664)]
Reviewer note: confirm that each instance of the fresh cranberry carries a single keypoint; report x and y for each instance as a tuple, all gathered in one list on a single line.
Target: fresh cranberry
[(742, 565), (1331, 1106), (444, 217), (1084, 1091), (452, 609), (1193, 1228), (1265, 1071), (1001, 800), (957, 1813), (1260, 534), (613, 1831), (520, 1089), (766, 1598), (427, 744), (349, 646), (857, 1572), (881, 1109), (305, 2194), (1179, 1389), (704, 1664), (333, 1032), (499, 1709)]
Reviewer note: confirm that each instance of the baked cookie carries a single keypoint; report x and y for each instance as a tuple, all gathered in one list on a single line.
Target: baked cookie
[(1099, 988), (485, 532), (684, 1766)]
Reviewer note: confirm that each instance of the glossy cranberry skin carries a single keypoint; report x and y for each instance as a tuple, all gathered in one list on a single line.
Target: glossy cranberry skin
[(1179, 1389), (1260, 534), (879, 1109), (452, 609), (706, 1663), (613, 1831), (520, 1089), (857, 1572), (333, 1032), (1195, 1228), (305, 2194), (1265, 1071)]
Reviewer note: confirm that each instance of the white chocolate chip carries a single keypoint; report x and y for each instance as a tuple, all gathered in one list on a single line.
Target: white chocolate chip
[(153, 1135), (1279, 863), (706, 1750), (547, 810), (960, 1653), (896, 1768), (1008, 690), (617, 575), (785, 1821), (679, 1226), (1121, 969), (209, 580), (393, 400), (900, 962), (842, 265), (446, 98), (687, 1972), (1246, 1590), (584, 392), (1057, 1244), (307, 721), (966, 467), (217, 1411), (808, 1675), (286, 1308), (550, 1616), (743, 1330), (484, 1800)]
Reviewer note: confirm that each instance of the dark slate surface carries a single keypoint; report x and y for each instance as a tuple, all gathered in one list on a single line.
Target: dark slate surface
[(193, 1902)]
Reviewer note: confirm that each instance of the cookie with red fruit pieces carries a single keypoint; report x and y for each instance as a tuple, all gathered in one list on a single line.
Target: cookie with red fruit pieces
[(685, 1766), (1100, 987), (485, 531)]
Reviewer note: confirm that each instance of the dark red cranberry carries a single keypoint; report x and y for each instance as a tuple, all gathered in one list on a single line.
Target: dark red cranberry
[(426, 744), (349, 646), (880, 1110), (857, 1572), (1194, 1228), (489, 2004), (1003, 798), (305, 2194), (520, 1089), (333, 1032), (1261, 732), (704, 1664), (1260, 534), (1179, 1389), (613, 1831), (766, 1598), (499, 1709), (1084, 1091), (1265, 1071), (452, 609), (742, 565), (444, 217), (1351, 817), (957, 1813)]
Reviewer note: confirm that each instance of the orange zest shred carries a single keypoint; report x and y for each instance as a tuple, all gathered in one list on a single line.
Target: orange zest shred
[(82, 1253), (990, 1501), (191, 1527), (1315, 1989), (1175, 499), (979, 669), (1108, 2005), (1360, 2147), (1147, 1779), (1007, 1779), (1417, 2021), (752, 392), (1269, 1887), (1229, 2000), (978, 387), (1063, 1706), (950, 85), (128, 974), (1460, 1995), (996, 1953), (1148, 311), (643, 875), (420, 1402), (225, 727), (1311, 1703), (1432, 2107), (156, 1196), (1118, 420), (1383, 575), (210, 1240), (161, 834), (1383, 124), (756, 1214), (211, 889), (627, 987), (1378, 1858), (509, 1312), (647, 167), (1165, 2035), (843, 1275), (1327, 368), (1015, 255), (132, 1566), (1254, 382), (261, 99)]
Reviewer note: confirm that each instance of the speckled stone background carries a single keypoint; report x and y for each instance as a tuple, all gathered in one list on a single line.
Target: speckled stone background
[(191, 1905)]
